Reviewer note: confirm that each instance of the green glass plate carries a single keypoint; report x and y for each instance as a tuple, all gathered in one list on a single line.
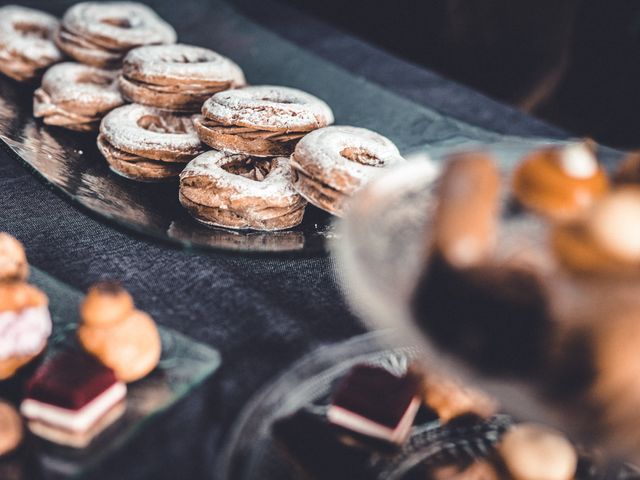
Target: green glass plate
[(184, 365)]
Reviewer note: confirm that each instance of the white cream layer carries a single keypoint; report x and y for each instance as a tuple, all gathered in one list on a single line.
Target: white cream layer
[(359, 424), (74, 420), (24, 332)]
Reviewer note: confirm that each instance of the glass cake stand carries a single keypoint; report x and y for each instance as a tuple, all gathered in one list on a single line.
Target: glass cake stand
[(379, 254)]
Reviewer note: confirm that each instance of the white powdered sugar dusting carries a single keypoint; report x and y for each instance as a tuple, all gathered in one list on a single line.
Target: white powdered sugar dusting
[(122, 129), (24, 332), (322, 151), (276, 184), (78, 83), (183, 62), (578, 161), (124, 24), (268, 107), (29, 34)]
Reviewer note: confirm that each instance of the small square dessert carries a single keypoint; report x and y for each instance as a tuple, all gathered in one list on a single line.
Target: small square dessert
[(373, 402), (71, 398)]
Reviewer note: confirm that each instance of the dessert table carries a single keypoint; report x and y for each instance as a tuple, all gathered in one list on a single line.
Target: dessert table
[(261, 312)]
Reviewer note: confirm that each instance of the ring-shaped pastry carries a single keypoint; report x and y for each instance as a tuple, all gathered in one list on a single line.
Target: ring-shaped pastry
[(241, 192), (177, 77), (260, 120), (331, 164), (76, 96), (26, 42), (101, 33), (147, 144)]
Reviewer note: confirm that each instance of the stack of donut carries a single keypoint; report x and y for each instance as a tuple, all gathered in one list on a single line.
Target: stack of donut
[(158, 105)]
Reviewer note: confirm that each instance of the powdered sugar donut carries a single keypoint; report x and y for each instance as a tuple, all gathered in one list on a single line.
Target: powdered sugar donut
[(240, 192), (76, 96), (331, 164), (26, 42), (144, 143), (260, 120), (177, 77), (101, 33)]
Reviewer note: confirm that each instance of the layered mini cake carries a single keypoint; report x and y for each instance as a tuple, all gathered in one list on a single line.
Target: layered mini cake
[(72, 398), (373, 402)]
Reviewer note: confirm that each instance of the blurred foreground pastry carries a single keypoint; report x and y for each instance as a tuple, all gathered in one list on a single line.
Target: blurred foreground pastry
[(178, 78), (26, 42), (535, 452), (241, 192), (495, 315), (11, 431), (101, 33), (124, 339), (331, 164), (560, 182), (25, 322), (607, 240), (76, 96)]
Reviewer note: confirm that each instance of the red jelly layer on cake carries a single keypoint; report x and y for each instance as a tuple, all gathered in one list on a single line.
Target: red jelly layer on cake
[(70, 380)]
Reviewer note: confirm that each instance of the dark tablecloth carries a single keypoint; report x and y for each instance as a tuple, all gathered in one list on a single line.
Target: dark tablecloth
[(261, 313)]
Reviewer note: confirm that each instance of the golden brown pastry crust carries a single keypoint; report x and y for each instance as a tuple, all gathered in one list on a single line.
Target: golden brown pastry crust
[(106, 303), (543, 184), (466, 219), (131, 347), (602, 242), (534, 452), (13, 260), (11, 431)]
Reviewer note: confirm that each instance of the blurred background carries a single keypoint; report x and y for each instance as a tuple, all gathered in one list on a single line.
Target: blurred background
[(574, 63)]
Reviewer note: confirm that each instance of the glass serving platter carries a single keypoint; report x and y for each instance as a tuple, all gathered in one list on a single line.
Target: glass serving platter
[(70, 163), (184, 365)]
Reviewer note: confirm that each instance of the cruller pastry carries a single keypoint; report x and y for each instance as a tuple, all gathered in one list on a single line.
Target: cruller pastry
[(240, 191), (76, 96), (26, 42), (331, 164), (260, 120), (560, 182), (147, 144), (101, 33), (177, 77)]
